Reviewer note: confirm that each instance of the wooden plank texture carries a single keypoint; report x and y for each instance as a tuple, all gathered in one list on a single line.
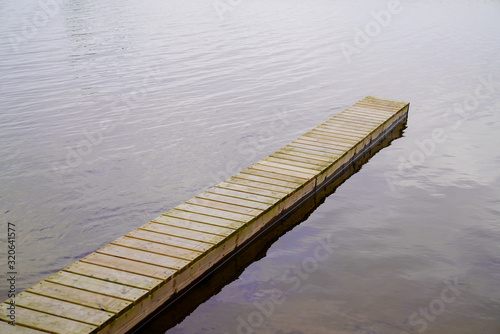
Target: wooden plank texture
[(113, 275), (47, 322), (80, 297), (6, 328), (64, 309)]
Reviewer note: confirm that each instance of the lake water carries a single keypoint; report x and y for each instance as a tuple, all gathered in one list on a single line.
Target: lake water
[(112, 112)]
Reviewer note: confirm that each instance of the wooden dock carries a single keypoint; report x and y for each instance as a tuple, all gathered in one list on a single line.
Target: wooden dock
[(121, 284)]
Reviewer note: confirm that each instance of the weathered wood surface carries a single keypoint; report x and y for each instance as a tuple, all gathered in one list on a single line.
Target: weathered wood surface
[(119, 285)]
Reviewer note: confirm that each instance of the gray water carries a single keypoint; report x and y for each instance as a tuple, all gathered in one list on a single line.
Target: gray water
[(112, 112)]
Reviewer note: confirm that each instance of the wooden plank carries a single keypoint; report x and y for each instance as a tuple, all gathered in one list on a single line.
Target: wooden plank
[(336, 139), (192, 245), (350, 113), (356, 120), (225, 206), (77, 296), (251, 190), (144, 257), (331, 142), (274, 169), (304, 171), (17, 329), (379, 115), (343, 133), (346, 133), (296, 163), (193, 225), (158, 248), (336, 143), (362, 132), (350, 125), (261, 185), (301, 158), (239, 217), (306, 153), (339, 127), (113, 275), (130, 266), (280, 171), (233, 200), (202, 218), (63, 309), (164, 248), (183, 233), (278, 168), (337, 120), (383, 109), (46, 322), (254, 176), (367, 117), (97, 285), (313, 148), (318, 141), (277, 176), (243, 195)]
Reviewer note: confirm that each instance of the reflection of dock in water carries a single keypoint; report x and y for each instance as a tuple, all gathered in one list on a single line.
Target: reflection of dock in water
[(159, 264)]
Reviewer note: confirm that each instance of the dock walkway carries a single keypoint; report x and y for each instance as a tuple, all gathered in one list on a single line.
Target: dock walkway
[(116, 287)]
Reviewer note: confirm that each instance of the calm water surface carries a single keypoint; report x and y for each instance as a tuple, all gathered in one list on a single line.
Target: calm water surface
[(112, 112)]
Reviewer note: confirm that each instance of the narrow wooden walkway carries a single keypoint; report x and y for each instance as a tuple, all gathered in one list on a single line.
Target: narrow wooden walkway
[(119, 285)]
